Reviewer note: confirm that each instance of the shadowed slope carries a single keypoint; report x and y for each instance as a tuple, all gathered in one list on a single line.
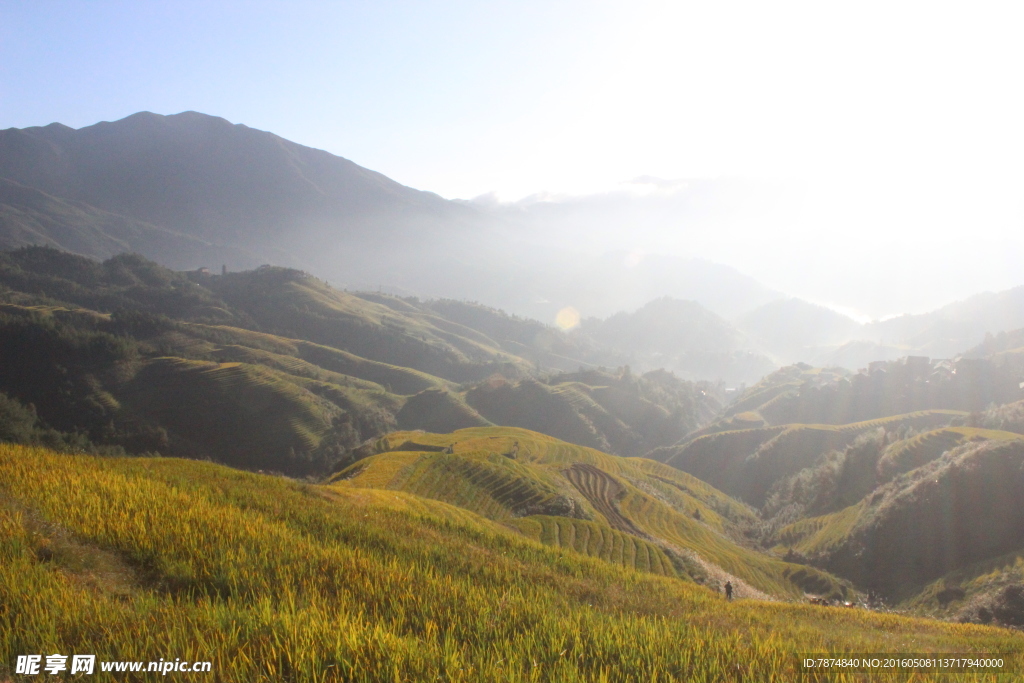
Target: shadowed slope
[(747, 463), (957, 510), (31, 217)]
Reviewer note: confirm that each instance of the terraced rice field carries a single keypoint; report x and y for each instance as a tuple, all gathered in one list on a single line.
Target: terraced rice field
[(596, 540), (819, 534), (603, 491), (908, 454), (745, 463), (555, 479), (486, 485)]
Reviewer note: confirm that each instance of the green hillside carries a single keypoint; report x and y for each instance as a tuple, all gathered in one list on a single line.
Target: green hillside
[(1008, 417), (987, 592), (793, 330), (269, 579), (122, 353), (525, 478), (747, 463), (171, 390), (616, 412), (904, 456), (29, 216), (903, 507), (238, 411), (959, 509), (293, 304), (801, 394)]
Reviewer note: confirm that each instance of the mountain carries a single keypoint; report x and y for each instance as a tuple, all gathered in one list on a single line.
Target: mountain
[(253, 197), (747, 463), (614, 412), (624, 240), (31, 217), (192, 190), (273, 369), (1007, 342), (223, 183), (800, 393), (897, 479), (247, 197), (794, 330), (945, 332), (682, 336), (602, 283)]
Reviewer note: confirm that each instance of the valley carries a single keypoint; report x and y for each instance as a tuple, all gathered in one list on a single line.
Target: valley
[(402, 453)]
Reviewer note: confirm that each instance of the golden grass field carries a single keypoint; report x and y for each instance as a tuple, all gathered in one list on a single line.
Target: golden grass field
[(277, 580)]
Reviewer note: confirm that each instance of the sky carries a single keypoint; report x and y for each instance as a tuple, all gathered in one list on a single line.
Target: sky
[(892, 132)]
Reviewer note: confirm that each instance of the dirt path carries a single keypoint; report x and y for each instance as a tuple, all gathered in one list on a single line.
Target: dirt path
[(718, 576)]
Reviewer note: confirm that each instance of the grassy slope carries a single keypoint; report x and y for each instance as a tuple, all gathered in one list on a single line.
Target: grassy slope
[(397, 379), (31, 217), (558, 411), (960, 509), (745, 463), (362, 353), (243, 397), (297, 305), (551, 477), (613, 412), (274, 580), (908, 454), (819, 535), (824, 396), (958, 594), (234, 409)]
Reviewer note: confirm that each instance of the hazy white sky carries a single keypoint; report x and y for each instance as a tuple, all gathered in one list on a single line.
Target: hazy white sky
[(898, 127)]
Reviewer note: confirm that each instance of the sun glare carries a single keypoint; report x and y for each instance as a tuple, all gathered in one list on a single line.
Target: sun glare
[(567, 318)]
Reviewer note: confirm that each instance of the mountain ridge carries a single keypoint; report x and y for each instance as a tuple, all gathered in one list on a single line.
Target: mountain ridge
[(191, 190), (259, 198)]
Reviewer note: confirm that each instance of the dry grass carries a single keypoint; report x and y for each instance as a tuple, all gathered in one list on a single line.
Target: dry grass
[(273, 580)]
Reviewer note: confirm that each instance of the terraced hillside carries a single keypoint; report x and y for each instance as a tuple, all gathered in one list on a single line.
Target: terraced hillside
[(270, 579), (596, 540), (294, 304), (239, 411), (987, 592), (683, 336), (1008, 417), (612, 411), (525, 479), (904, 456), (603, 492), (747, 463), (958, 510), (801, 394), (904, 507), (174, 391)]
